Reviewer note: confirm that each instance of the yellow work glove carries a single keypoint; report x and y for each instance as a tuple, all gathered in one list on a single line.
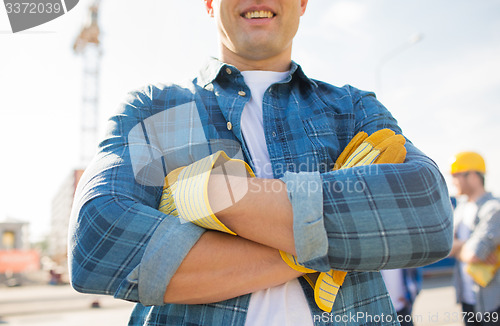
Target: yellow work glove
[(383, 146), (185, 190), (482, 273)]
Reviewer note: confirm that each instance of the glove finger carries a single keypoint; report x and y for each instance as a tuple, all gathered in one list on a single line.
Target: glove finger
[(366, 147), (358, 155), (391, 144), (396, 139), (369, 158), (326, 288), (325, 291), (379, 136), (350, 148), (396, 153), (338, 277)]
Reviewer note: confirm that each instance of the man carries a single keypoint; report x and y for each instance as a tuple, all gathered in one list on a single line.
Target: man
[(477, 235), (254, 101)]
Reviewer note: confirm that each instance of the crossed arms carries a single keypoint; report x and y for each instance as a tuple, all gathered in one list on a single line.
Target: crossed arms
[(480, 247), (122, 245)]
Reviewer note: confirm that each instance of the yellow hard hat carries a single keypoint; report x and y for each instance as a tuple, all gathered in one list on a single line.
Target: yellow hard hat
[(468, 161)]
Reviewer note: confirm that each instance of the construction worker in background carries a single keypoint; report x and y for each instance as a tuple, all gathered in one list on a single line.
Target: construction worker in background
[(477, 236)]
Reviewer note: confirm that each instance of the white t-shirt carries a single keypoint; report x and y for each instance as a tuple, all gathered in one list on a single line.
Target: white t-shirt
[(394, 282), (286, 304)]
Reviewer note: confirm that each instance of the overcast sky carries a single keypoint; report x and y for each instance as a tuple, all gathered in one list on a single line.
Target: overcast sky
[(444, 89)]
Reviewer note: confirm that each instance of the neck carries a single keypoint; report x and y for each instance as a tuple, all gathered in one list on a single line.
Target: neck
[(280, 62)]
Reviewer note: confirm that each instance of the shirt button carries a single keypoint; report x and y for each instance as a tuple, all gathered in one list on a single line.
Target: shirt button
[(242, 93), (228, 71), (274, 134), (229, 125)]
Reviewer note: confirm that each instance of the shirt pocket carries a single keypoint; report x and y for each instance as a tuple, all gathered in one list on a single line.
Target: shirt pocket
[(326, 131)]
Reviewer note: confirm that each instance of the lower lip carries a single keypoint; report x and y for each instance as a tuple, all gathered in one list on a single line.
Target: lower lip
[(258, 21)]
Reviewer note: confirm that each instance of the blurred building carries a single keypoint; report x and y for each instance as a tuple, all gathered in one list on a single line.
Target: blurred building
[(16, 255), (14, 234), (61, 210)]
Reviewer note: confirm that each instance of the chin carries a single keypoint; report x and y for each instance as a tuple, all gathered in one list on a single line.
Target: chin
[(260, 52)]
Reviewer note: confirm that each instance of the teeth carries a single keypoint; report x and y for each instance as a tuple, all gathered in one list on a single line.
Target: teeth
[(258, 14)]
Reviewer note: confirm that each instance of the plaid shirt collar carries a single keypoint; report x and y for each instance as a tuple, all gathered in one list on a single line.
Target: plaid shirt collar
[(213, 67), (484, 198)]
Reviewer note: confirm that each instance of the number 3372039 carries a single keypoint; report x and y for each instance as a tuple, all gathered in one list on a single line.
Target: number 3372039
[(33, 8)]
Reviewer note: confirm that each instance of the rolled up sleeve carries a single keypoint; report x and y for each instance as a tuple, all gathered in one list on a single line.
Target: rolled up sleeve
[(306, 196), (165, 251), (128, 250)]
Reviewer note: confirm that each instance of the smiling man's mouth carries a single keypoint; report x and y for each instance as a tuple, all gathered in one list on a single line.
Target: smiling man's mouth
[(258, 14)]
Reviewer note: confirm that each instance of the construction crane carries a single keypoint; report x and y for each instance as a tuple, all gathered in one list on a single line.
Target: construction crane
[(87, 45)]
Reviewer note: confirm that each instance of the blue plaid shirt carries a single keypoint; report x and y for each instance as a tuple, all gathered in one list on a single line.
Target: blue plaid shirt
[(360, 220)]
